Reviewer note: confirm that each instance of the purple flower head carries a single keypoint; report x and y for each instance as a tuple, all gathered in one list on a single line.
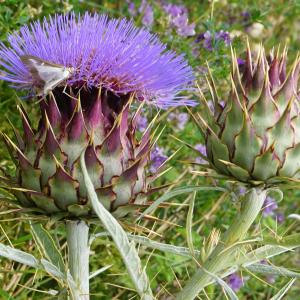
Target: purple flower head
[(280, 217), (235, 282), (240, 61), (269, 207), (202, 149), (223, 36), (157, 158), (208, 39), (175, 10), (108, 53), (131, 8), (246, 15), (178, 15), (147, 12), (242, 191), (182, 25), (182, 119)]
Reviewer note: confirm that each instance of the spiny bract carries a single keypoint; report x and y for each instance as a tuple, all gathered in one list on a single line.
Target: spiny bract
[(255, 136), (49, 176)]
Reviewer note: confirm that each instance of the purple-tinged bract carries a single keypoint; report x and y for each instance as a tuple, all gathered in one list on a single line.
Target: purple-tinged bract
[(254, 137), (107, 53)]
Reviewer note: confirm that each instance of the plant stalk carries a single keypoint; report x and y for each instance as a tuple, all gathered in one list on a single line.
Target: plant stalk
[(222, 255), (79, 250)]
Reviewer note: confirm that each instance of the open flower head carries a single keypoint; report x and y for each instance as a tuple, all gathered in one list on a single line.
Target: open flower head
[(105, 65), (98, 52)]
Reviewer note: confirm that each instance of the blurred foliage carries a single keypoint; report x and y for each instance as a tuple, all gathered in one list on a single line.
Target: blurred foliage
[(280, 24)]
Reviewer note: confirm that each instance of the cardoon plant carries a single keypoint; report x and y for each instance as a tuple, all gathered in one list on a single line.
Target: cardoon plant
[(254, 140), (86, 73)]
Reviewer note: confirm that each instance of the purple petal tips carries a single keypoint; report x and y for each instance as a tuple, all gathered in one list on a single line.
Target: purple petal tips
[(108, 53)]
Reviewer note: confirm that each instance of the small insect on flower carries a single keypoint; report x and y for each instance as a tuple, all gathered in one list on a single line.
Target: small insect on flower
[(89, 72), (93, 51), (46, 75)]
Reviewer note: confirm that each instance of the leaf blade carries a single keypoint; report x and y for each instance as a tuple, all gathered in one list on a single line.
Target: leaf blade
[(48, 246), (284, 290), (177, 192), (126, 249)]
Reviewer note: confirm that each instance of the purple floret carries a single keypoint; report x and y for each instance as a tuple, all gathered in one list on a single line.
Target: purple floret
[(178, 15), (180, 119), (157, 159), (235, 282), (202, 149), (142, 123), (174, 10), (108, 53), (269, 207), (209, 40), (147, 12), (223, 36), (131, 8)]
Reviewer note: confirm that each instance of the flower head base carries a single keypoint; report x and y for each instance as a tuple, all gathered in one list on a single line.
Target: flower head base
[(255, 137), (49, 178), (102, 53)]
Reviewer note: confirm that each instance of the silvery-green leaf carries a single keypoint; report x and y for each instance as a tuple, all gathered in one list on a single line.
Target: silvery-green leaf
[(177, 250), (294, 216), (48, 246), (226, 287), (253, 257), (189, 224), (101, 270), (52, 269), (272, 270), (126, 249), (260, 253), (19, 256), (183, 251), (176, 192), (29, 260), (284, 290)]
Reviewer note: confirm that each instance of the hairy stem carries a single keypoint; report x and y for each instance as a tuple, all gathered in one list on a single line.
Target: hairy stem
[(222, 255), (78, 245)]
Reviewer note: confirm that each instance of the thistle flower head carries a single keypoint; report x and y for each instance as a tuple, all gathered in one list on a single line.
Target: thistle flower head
[(98, 52), (255, 136)]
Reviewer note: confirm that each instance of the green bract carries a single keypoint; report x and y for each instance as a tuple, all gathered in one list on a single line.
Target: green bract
[(255, 137), (49, 177)]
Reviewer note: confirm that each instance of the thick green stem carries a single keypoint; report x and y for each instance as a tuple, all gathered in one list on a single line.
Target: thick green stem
[(220, 257), (79, 250)]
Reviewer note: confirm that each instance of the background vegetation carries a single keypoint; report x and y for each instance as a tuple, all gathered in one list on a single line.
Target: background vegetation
[(214, 26)]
